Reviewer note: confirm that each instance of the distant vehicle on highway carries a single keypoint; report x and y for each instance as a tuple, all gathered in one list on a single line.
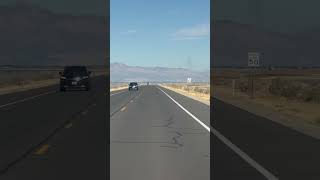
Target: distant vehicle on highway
[(75, 77), (133, 86)]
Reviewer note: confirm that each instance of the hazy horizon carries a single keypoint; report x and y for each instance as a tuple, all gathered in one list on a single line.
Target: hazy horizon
[(120, 72), (157, 66)]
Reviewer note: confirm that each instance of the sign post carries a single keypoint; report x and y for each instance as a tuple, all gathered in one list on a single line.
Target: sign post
[(253, 62), (189, 80), (233, 86)]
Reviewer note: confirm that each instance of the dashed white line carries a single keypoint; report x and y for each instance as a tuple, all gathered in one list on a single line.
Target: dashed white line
[(27, 99), (227, 142)]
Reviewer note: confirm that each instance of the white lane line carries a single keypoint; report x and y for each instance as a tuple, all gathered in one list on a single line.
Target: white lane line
[(117, 93), (244, 156), (187, 96), (227, 142), (194, 117), (27, 99)]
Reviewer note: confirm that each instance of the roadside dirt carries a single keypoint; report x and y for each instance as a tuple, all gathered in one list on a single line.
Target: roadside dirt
[(204, 98), (301, 116)]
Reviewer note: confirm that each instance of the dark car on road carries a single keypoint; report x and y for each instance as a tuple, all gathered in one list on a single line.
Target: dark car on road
[(133, 86), (75, 77)]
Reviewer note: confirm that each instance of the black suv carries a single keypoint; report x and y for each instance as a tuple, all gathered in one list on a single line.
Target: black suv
[(75, 77), (133, 86)]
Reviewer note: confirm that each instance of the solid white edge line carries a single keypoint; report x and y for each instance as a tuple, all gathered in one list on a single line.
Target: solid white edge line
[(227, 142), (195, 118), (188, 97), (26, 99)]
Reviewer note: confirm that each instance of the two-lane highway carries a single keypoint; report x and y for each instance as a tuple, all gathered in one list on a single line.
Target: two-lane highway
[(153, 138), (46, 134), (155, 133), (159, 134), (53, 135)]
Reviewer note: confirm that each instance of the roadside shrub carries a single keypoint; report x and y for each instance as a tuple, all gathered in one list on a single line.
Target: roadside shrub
[(243, 86), (17, 81), (317, 121), (285, 88), (186, 88), (202, 90), (312, 95), (295, 90)]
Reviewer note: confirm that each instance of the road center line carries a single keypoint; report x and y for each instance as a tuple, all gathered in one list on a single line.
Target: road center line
[(27, 99), (117, 93), (69, 125), (227, 142), (42, 150), (124, 108)]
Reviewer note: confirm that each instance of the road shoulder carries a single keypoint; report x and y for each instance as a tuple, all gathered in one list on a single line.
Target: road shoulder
[(34, 85), (270, 114), (202, 100)]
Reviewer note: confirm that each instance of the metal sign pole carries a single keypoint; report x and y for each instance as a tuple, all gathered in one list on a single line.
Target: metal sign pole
[(253, 62), (233, 86), (252, 83)]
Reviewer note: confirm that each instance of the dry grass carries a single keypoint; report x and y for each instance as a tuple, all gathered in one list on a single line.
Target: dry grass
[(24, 77), (15, 81), (27, 86), (200, 92), (118, 86), (291, 92), (317, 121)]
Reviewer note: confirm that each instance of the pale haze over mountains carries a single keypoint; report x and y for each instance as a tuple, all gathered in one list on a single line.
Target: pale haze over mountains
[(120, 72)]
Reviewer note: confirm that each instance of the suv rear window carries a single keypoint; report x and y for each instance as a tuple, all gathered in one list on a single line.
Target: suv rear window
[(75, 71)]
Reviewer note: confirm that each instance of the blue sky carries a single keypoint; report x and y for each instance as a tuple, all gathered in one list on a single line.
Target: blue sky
[(167, 33)]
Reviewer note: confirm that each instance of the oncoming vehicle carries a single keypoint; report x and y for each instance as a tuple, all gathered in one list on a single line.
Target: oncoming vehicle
[(75, 77), (133, 86)]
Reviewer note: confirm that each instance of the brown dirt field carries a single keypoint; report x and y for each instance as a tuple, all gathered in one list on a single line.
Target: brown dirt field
[(290, 92)]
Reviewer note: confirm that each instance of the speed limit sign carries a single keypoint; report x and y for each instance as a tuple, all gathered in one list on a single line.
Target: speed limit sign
[(253, 59)]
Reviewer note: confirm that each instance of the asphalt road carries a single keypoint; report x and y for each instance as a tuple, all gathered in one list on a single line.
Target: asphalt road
[(277, 151), (46, 134), (153, 138), (154, 133), (51, 135)]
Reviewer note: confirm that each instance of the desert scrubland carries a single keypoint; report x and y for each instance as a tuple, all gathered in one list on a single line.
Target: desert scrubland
[(294, 92)]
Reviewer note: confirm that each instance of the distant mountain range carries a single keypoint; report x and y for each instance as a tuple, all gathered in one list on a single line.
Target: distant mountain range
[(31, 35), (120, 72), (232, 41)]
